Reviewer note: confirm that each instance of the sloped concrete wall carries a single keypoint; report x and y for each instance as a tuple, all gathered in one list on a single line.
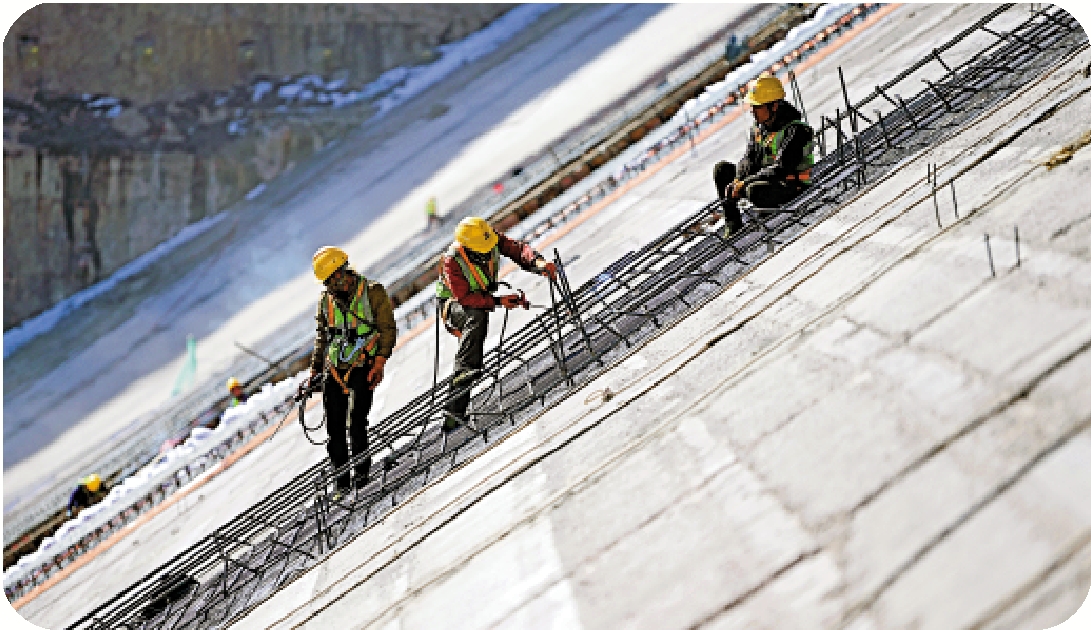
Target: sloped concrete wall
[(869, 430)]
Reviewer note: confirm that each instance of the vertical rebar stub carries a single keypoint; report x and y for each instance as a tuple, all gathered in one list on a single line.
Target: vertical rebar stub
[(989, 253), (1018, 258)]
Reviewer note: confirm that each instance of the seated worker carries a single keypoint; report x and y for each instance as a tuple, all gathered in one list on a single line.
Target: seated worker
[(779, 155), (464, 289), (238, 396), (88, 492), (354, 337)]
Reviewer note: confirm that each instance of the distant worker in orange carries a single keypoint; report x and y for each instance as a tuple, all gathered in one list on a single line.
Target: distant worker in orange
[(465, 293), (778, 160), (88, 492)]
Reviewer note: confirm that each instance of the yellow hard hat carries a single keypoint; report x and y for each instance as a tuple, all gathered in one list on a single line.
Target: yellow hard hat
[(328, 260), (93, 482), (766, 90), (476, 234), (232, 383)]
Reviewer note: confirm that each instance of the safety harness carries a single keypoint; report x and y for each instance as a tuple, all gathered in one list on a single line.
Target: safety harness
[(351, 346), (479, 279), (771, 143)]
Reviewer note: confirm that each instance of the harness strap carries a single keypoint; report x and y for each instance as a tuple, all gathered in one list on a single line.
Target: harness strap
[(803, 176), (330, 305), (473, 269), (348, 372), (443, 315)]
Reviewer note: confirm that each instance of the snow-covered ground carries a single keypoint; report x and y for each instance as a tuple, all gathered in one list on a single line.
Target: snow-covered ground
[(68, 392)]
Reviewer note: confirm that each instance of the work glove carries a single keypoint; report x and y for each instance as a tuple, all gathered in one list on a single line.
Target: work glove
[(546, 268), (375, 375), (511, 301)]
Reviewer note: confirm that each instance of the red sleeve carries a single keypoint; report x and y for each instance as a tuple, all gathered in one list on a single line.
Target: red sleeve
[(519, 251), (460, 288)]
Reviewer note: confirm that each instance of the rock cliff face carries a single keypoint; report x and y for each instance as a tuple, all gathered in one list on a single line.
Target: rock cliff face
[(149, 52), (125, 123)]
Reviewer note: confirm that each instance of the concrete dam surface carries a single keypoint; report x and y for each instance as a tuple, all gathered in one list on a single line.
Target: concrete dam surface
[(885, 424), (246, 279)]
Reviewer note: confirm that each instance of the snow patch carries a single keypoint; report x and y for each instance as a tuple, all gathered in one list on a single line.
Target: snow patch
[(261, 88), (405, 83), (255, 191)]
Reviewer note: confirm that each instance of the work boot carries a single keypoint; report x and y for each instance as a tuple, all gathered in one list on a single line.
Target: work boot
[(341, 488), (360, 475), (731, 215)]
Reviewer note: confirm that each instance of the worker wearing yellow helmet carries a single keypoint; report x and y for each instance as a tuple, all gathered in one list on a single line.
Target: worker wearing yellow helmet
[(354, 337), (238, 396), (468, 278), (779, 155), (88, 492)]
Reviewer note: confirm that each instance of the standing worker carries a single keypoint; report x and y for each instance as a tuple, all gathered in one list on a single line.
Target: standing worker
[(88, 492), (238, 396), (779, 155), (430, 210), (353, 340), (464, 290)]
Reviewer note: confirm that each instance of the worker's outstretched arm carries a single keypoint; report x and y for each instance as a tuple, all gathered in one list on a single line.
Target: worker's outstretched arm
[(520, 252), (525, 256)]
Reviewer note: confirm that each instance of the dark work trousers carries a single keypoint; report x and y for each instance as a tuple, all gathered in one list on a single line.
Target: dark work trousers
[(337, 405), (474, 324), (762, 194)]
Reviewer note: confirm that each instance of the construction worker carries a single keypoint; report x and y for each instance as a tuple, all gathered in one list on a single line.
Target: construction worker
[(353, 340), (779, 155), (464, 289), (430, 211), (238, 396), (88, 492)]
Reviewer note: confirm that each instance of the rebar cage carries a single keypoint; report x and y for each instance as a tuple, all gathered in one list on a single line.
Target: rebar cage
[(582, 333)]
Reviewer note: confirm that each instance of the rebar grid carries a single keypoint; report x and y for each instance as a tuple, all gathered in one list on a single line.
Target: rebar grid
[(582, 333)]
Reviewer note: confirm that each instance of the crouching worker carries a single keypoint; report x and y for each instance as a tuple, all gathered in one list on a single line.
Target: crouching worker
[(354, 337), (468, 277), (88, 492), (238, 396), (779, 155)]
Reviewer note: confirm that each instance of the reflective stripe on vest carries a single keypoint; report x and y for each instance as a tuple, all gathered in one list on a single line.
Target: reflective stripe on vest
[(479, 279), (341, 350), (771, 144)]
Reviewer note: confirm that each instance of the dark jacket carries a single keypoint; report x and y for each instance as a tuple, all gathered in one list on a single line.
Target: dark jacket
[(381, 310), (83, 497), (523, 255), (789, 155)]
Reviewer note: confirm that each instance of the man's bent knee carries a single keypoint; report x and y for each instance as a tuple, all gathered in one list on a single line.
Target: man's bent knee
[(723, 174)]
